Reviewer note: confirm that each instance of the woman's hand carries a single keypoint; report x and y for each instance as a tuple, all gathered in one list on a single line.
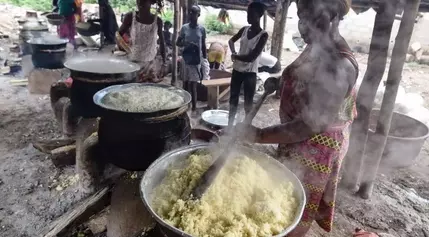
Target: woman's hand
[(233, 57)]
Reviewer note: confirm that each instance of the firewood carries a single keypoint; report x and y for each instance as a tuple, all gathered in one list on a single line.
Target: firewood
[(64, 156), (80, 213), (46, 146)]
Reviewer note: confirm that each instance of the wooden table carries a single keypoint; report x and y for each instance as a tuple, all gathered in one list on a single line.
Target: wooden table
[(213, 93)]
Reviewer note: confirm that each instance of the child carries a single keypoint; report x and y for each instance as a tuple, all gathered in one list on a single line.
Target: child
[(192, 39), (245, 63)]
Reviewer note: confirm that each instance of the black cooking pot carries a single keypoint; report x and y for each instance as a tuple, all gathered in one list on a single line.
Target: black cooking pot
[(48, 51), (91, 74), (31, 29), (133, 144)]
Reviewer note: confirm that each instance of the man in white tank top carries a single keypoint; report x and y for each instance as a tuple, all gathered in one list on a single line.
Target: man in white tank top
[(252, 42)]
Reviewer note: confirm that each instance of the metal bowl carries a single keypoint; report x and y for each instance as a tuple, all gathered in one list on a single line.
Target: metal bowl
[(199, 136), (55, 19), (217, 118), (157, 171)]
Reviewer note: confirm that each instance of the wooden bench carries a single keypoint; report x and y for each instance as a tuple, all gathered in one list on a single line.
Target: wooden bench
[(213, 93)]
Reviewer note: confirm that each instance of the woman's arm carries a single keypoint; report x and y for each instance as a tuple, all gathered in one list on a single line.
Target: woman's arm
[(126, 24), (161, 39), (204, 46), (234, 39), (319, 108), (255, 52)]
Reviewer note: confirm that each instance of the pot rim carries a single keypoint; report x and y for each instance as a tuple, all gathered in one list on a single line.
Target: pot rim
[(71, 65), (99, 95), (424, 137), (47, 44)]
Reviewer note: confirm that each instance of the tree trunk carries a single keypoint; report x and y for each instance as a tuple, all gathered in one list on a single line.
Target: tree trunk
[(185, 9), (175, 35), (393, 79), (377, 59), (279, 28), (279, 32)]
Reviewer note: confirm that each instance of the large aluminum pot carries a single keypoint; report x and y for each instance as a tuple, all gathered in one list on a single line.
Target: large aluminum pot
[(91, 74), (157, 171)]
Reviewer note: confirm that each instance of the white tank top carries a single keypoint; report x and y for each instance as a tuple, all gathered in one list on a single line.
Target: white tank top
[(246, 46), (143, 40)]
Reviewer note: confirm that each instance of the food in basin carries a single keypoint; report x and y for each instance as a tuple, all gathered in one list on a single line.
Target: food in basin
[(245, 199), (143, 99)]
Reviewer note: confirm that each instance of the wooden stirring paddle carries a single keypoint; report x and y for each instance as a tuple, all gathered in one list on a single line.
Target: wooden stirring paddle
[(270, 86)]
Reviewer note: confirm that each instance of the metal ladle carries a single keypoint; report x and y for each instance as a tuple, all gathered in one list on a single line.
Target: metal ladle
[(270, 86)]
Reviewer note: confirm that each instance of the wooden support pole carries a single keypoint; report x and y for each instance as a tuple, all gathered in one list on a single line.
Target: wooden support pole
[(376, 147), (264, 26), (185, 8), (279, 28), (377, 59), (175, 35), (279, 32)]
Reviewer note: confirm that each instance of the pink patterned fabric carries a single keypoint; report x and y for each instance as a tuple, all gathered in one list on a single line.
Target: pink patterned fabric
[(67, 30)]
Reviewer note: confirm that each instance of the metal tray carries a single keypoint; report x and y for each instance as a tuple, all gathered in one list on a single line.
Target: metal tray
[(98, 97), (156, 172), (217, 118)]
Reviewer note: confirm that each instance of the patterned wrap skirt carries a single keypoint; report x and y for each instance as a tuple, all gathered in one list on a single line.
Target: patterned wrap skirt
[(317, 163)]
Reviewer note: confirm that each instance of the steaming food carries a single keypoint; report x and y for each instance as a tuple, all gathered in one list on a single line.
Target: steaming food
[(243, 200), (143, 99)]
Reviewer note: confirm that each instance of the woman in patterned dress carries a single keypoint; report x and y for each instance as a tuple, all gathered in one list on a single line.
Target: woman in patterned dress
[(67, 30), (144, 28), (317, 107)]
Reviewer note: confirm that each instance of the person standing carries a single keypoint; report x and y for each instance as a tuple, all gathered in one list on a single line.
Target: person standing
[(67, 30), (192, 38), (167, 34), (245, 63), (317, 107), (109, 25), (144, 27)]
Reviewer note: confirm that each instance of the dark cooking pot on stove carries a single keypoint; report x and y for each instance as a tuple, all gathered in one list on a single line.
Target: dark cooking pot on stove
[(132, 140), (31, 29), (48, 51), (134, 144), (92, 74)]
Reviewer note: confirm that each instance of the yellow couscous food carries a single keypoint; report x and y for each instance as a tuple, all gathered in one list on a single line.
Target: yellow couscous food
[(243, 200)]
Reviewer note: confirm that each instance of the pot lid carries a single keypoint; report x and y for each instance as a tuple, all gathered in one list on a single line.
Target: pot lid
[(34, 25), (101, 65), (47, 39)]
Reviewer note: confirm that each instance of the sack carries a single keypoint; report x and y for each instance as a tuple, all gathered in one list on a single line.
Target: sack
[(191, 55)]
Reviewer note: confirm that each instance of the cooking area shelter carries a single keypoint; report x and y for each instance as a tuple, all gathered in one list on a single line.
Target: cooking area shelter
[(278, 9), (116, 132)]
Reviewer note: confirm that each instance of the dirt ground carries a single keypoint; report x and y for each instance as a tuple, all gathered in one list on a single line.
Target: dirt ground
[(33, 192)]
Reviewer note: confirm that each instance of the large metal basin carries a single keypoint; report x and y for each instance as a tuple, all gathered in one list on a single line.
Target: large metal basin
[(404, 142), (157, 171)]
